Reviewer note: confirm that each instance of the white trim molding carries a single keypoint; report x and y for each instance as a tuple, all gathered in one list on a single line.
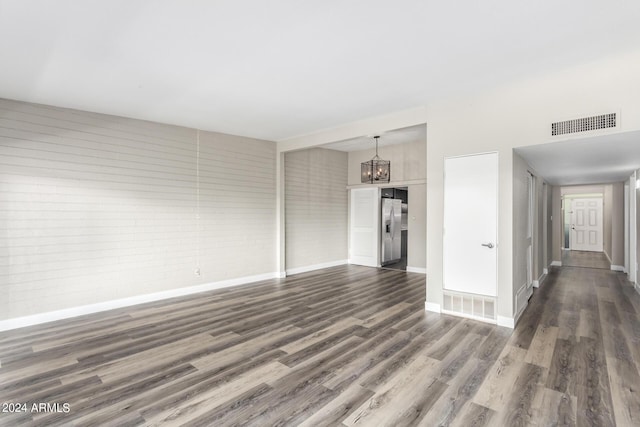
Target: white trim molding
[(314, 267), (51, 316), (545, 271), (432, 306), (556, 263), (416, 270), (618, 268), (519, 314), (507, 322), (521, 298), (541, 279)]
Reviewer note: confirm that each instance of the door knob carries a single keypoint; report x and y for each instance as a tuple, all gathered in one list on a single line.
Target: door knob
[(488, 245)]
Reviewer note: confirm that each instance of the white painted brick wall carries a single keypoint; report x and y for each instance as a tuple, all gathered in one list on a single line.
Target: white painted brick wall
[(315, 207), (95, 208)]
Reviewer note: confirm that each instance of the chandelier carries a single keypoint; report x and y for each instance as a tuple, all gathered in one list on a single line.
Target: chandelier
[(375, 170)]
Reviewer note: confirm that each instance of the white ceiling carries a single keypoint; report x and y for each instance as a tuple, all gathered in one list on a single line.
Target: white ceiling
[(597, 160), (282, 68)]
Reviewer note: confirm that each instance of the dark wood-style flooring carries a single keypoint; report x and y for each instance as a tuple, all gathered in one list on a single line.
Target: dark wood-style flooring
[(585, 259), (343, 346)]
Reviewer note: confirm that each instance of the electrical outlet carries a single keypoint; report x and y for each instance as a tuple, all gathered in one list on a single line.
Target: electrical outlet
[(197, 271)]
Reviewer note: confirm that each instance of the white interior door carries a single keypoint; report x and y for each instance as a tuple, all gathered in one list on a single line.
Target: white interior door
[(471, 223), (363, 226), (586, 225)]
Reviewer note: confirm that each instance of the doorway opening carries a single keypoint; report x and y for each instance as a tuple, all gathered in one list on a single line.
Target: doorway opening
[(583, 231), (394, 205)]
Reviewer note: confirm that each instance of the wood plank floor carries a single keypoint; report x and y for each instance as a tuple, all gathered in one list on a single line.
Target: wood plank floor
[(585, 259), (346, 346)]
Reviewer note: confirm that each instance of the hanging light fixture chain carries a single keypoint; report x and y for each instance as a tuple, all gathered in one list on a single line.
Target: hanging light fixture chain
[(376, 169)]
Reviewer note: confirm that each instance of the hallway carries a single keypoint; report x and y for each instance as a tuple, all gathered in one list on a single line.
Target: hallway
[(578, 350)]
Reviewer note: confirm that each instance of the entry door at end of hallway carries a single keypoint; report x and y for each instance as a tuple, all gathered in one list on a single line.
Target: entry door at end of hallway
[(586, 225), (471, 224)]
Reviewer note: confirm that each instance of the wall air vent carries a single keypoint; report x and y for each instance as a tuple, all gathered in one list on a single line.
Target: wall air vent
[(584, 124)]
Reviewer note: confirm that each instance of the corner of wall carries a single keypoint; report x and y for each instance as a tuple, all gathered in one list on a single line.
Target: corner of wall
[(432, 306), (507, 322)]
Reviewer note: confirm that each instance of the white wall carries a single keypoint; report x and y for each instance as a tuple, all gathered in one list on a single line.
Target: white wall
[(520, 222), (551, 220), (557, 238), (95, 208), (315, 208), (417, 227), (607, 201), (518, 114)]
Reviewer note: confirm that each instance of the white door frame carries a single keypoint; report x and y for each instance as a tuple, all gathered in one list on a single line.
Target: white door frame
[(600, 225)]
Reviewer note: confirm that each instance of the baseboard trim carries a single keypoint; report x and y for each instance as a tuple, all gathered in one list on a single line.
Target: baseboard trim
[(416, 270), (637, 287), (618, 268), (507, 322), (556, 263), (51, 316), (541, 279), (282, 274), (432, 306), (519, 313), (314, 267), (545, 271)]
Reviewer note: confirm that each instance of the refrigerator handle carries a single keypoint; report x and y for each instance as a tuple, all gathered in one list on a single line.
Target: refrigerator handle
[(388, 228)]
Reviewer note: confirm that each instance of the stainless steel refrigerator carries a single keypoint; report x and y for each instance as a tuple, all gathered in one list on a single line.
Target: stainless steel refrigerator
[(391, 231)]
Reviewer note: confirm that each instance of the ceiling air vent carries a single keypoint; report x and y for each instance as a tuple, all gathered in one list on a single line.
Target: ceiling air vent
[(584, 124)]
